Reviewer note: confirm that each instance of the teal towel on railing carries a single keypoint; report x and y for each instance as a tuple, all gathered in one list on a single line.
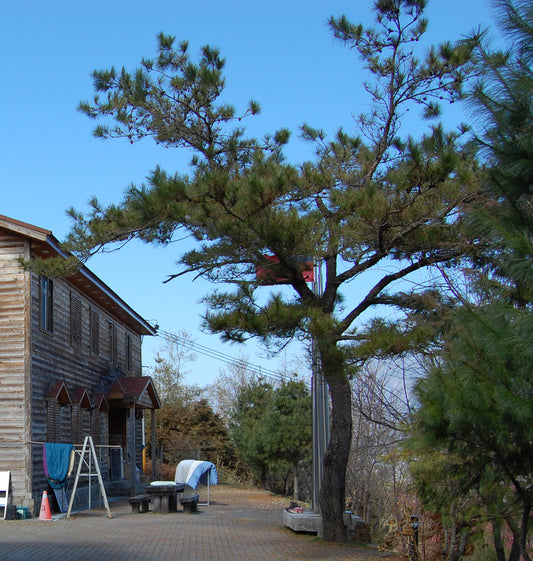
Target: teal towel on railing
[(58, 463)]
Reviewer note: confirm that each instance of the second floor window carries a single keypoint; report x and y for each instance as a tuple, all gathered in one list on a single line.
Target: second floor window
[(47, 304)]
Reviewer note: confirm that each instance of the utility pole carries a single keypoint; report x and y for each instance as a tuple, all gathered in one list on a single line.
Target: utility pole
[(319, 391)]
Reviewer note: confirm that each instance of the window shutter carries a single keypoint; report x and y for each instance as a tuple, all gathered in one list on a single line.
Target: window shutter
[(76, 423), (112, 341), (128, 352), (75, 321), (95, 332), (96, 427), (86, 422), (65, 413), (53, 421)]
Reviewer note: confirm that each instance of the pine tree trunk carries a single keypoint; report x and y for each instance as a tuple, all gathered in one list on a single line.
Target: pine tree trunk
[(456, 544), (498, 542), (526, 511), (332, 492)]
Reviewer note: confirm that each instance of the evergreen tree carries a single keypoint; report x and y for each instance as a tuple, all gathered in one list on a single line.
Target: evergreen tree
[(271, 429), (192, 429), (374, 201), (474, 424), (475, 419), (504, 100), (249, 431), (289, 421)]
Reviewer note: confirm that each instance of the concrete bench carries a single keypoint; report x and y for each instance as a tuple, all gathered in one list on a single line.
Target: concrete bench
[(190, 502), (140, 503), (163, 495)]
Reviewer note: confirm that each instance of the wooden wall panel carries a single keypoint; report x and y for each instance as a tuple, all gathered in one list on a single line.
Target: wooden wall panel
[(14, 357), (56, 359), (32, 360)]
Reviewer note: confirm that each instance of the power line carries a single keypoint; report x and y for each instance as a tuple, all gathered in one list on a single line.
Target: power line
[(220, 356)]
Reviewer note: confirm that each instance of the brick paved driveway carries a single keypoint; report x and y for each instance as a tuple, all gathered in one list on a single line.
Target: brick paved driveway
[(239, 525)]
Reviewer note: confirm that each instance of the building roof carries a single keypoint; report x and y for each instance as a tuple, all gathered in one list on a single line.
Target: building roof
[(138, 389), (44, 244)]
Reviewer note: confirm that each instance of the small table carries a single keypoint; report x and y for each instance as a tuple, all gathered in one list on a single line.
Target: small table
[(164, 495)]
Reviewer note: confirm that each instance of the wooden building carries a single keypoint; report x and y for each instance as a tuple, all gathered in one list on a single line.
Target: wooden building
[(70, 366)]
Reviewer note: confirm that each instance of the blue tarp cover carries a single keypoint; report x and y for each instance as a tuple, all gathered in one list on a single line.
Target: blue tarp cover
[(192, 472)]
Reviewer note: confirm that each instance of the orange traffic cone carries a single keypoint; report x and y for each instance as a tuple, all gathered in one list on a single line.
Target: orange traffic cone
[(45, 508)]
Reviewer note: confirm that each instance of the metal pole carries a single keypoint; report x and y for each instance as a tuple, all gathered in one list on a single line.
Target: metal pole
[(90, 479), (154, 447), (132, 449), (320, 398)]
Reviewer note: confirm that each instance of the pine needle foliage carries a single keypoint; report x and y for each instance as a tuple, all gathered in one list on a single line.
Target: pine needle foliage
[(375, 198), (473, 436)]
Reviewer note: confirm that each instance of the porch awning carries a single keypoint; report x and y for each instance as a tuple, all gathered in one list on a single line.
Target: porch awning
[(138, 389)]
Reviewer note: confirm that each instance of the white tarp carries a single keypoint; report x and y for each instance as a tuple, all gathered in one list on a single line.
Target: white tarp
[(192, 472)]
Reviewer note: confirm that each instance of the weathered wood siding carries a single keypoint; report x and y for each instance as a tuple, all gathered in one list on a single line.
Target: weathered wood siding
[(79, 363), (32, 360), (14, 362)]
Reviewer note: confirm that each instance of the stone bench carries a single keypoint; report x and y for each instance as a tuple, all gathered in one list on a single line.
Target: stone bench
[(189, 502), (163, 494), (140, 503)]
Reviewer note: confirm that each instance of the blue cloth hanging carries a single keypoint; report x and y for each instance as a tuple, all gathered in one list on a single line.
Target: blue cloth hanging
[(57, 463)]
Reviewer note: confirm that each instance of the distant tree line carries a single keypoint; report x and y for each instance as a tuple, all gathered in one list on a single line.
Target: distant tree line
[(252, 429)]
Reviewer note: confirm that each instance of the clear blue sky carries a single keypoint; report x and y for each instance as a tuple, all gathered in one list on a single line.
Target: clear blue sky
[(280, 53)]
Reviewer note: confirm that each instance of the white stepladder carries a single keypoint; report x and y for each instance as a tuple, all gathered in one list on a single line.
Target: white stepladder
[(4, 490), (88, 446)]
